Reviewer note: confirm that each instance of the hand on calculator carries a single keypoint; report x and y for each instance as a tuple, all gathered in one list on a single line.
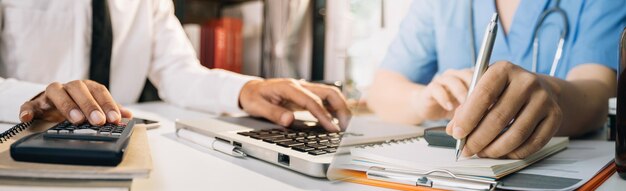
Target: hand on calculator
[(79, 101)]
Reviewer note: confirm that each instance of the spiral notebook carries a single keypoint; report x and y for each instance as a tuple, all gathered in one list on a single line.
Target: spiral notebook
[(415, 154), (137, 162)]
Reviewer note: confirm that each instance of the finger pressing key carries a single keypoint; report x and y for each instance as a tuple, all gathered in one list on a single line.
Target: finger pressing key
[(104, 99), (64, 103), (335, 99), (311, 102), (81, 95)]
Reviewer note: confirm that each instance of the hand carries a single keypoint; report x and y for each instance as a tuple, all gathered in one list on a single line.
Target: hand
[(275, 99), (507, 95), (77, 101), (444, 94)]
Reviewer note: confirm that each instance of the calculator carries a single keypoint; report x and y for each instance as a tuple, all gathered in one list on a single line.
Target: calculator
[(78, 144)]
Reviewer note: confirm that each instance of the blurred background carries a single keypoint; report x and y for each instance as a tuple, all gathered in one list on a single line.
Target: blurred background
[(317, 40)]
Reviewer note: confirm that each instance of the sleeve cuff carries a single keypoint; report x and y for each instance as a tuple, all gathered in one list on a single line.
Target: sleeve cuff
[(229, 96), (14, 93)]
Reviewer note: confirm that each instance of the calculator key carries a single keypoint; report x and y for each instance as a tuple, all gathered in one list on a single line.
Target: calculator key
[(105, 129), (85, 131)]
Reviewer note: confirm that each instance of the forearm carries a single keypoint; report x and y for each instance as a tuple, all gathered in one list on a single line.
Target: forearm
[(584, 103), (393, 98)]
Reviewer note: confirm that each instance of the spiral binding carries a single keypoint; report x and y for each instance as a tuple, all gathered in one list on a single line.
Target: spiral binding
[(5, 136), (389, 143)]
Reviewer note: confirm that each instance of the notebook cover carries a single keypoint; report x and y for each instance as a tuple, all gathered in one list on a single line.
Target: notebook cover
[(137, 161), (600, 178)]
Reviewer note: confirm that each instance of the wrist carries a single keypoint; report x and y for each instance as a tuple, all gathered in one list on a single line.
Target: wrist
[(247, 90), (552, 84), (417, 99)]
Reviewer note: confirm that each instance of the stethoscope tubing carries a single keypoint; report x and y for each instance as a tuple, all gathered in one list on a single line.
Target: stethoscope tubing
[(537, 28)]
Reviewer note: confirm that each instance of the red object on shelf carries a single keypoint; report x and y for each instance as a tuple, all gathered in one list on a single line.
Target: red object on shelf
[(221, 44)]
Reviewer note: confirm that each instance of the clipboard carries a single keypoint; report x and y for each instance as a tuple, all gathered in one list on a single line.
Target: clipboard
[(361, 177), (438, 179)]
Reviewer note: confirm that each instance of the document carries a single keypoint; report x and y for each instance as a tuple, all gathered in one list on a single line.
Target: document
[(566, 170), (417, 155)]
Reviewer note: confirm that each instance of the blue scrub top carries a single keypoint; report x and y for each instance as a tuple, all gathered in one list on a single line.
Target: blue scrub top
[(435, 37)]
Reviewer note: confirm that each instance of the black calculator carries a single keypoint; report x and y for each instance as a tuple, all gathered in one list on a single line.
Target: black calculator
[(82, 144)]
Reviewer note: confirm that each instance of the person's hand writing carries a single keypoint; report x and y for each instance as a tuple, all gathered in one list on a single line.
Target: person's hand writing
[(507, 95), (444, 94), (275, 99), (77, 101)]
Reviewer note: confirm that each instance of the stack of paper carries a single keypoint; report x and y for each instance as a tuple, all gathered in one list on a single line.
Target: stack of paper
[(416, 155)]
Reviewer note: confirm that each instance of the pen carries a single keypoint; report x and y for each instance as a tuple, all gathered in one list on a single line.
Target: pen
[(210, 142), (482, 63)]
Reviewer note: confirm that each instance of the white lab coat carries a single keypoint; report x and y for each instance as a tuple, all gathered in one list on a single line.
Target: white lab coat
[(46, 41)]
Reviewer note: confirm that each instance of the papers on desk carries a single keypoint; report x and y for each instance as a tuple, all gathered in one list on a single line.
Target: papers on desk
[(418, 156), (566, 170)]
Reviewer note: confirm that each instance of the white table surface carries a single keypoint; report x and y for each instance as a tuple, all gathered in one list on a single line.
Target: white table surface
[(178, 165)]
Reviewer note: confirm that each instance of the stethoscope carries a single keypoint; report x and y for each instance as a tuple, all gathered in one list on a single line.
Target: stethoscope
[(559, 50)]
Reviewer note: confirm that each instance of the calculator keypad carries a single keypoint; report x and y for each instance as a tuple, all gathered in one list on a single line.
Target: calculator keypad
[(85, 131)]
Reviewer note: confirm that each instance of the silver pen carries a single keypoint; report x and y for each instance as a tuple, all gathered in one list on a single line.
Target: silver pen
[(482, 63), (210, 142)]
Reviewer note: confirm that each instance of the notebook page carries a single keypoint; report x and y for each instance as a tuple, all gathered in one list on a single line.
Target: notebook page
[(417, 155)]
